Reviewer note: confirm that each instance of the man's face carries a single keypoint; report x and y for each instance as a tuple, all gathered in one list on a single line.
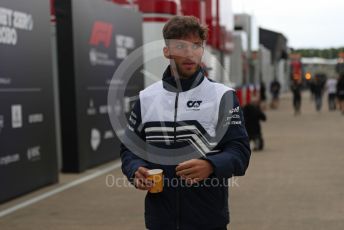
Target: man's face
[(186, 53)]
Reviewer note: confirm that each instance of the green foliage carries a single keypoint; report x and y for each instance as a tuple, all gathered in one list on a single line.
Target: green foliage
[(323, 53)]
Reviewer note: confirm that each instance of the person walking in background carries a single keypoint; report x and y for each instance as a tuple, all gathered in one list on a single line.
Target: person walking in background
[(296, 90), (340, 92), (318, 92), (311, 89), (331, 88), (275, 88), (262, 95), (253, 115)]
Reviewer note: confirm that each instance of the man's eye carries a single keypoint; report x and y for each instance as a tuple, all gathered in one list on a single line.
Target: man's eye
[(196, 46), (180, 46)]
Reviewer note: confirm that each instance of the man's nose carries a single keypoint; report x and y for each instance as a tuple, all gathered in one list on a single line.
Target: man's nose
[(188, 50)]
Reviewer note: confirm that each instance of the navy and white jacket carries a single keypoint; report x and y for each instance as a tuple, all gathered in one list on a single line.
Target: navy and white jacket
[(195, 112)]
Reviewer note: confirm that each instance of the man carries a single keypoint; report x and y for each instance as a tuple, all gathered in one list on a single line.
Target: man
[(296, 88), (331, 87), (318, 88), (186, 109), (275, 88), (340, 92), (253, 115)]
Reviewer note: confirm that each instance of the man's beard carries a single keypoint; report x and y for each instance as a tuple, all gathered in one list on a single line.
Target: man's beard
[(184, 75)]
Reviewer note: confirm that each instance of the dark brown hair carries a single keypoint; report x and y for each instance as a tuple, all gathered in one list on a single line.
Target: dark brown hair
[(182, 26)]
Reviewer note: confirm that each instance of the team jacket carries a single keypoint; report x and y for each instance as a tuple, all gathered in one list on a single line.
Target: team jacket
[(206, 117)]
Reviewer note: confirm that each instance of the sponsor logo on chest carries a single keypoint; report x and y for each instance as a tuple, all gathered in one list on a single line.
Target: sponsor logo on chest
[(193, 105)]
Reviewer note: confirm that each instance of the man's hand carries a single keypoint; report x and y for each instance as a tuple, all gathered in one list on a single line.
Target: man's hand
[(194, 170), (140, 181)]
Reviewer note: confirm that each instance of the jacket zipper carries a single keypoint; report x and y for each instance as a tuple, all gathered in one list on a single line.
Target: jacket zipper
[(175, 140), (175, 117)]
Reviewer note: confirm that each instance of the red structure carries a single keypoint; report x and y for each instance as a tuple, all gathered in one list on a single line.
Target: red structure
[(208, 12)]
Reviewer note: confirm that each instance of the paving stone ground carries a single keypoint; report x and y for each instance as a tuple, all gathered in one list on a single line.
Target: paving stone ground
[(297, 182)]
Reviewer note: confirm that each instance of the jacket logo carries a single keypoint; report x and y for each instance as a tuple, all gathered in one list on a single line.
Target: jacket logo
[(234, 110), (193, 104), (101, 33)]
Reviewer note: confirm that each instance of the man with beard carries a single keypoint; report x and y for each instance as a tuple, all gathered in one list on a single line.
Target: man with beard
[(187, 110)]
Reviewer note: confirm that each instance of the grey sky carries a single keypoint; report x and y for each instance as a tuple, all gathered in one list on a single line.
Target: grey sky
[(306, 23)]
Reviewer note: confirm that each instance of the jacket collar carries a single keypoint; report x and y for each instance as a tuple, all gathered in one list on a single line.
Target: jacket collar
[(174, 84)]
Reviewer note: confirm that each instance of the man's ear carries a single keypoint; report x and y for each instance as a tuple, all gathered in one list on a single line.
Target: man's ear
[(167, 52)]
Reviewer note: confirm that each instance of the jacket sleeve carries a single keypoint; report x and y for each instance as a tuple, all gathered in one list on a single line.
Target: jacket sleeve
[(130, 161), (234, 157)]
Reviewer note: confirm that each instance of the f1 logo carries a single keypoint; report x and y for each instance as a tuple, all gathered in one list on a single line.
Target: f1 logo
[(101, 33)]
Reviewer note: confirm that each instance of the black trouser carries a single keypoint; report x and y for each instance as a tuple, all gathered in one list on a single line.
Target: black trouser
[(332, 101), (258, 141), (297, 103), (318, 102)]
